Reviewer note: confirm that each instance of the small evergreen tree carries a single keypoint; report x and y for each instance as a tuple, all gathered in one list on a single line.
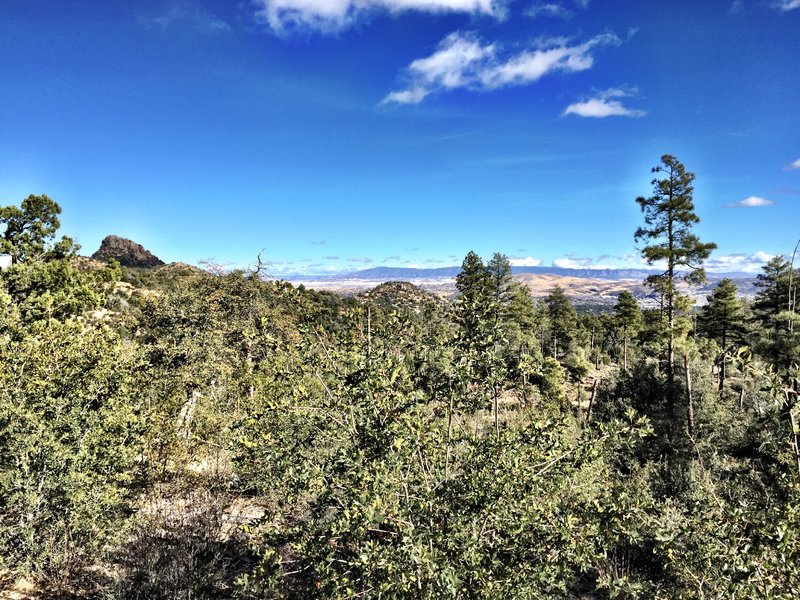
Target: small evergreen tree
[(722, 320), (500, 279), (628, 319), (777, 342), (472, 306), (563, 321)]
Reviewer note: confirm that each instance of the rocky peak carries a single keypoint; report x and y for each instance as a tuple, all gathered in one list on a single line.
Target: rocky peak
[(127, 252)]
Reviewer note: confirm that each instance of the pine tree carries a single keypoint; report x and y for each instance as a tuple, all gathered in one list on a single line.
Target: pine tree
[(563, 321), (669, 216), (770, 309), (30, 227), (628, 318), (722, 319), (473, 305), (478, 311), (499, 270)]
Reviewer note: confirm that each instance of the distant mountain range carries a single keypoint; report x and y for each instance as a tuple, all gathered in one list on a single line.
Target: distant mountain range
[(411, 274), (599, 287), (588, 286)]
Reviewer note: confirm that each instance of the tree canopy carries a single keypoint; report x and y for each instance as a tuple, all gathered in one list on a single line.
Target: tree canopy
[(30, 227)]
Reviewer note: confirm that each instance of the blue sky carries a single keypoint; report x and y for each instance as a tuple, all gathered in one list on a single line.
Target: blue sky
[(343, 134)]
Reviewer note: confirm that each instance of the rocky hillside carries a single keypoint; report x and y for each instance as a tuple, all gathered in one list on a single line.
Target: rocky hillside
[(127, 252), (400, 294)]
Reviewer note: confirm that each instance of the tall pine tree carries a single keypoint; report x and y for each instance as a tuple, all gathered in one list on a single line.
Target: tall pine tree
[(669, 216)]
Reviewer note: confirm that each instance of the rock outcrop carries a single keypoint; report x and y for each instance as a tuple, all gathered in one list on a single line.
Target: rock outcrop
[(127, 252)]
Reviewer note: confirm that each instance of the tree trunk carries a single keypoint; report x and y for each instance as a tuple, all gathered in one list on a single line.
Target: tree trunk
[(670, 354), (724, 357), (592, 399), (248, 359), (496, 393), (369, 334), (449, 436), (795, 443), (625, 353), (791, 277), (689, 401), (671, 307)]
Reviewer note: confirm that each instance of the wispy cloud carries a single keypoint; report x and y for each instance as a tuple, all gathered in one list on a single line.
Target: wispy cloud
[(738, 262), (794, 165), (787, 5), (604, 104), (329, 16), (463, 60), (549, 9), (318, 242), (751, 202), (330, 258), (364, 260), (737, 7), (184, 13), (554, 9)]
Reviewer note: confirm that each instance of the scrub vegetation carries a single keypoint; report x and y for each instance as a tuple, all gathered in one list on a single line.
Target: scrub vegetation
[(177, 433)]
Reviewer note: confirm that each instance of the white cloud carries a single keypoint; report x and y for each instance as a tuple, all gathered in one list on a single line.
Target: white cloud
[(527, 261), (604, 105), (462, 60), (335, 15), (744, 263), (411, 96), (795, 164), (787, 5), (577, 262), (453, 64), (548, 9), (751, 202), (567, 263)]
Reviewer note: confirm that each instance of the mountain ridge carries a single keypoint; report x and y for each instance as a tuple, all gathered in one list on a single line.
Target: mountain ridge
[(384, 273)]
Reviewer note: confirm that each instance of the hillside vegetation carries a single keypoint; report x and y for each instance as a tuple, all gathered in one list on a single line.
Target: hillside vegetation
[(172, 433)]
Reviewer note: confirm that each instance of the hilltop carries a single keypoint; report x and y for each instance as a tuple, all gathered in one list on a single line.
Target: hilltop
[(127, 252), (400, 294)]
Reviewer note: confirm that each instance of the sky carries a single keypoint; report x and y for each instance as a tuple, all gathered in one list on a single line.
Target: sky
[(335, 135)]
